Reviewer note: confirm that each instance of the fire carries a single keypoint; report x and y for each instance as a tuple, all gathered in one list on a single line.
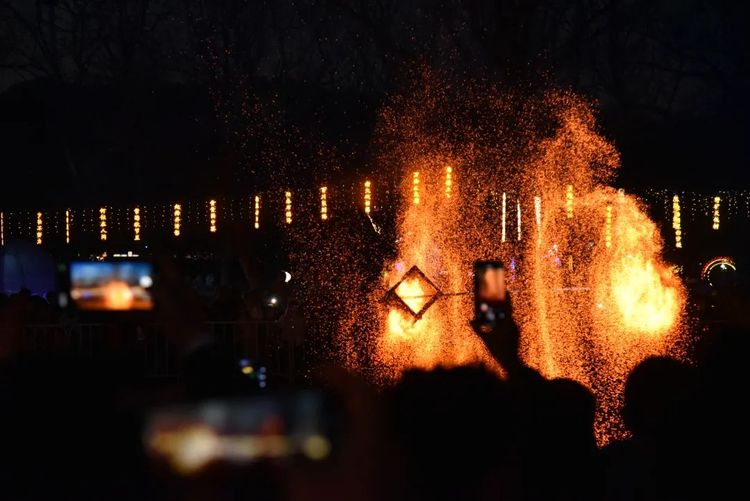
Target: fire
[(647, 297), (413, 294)]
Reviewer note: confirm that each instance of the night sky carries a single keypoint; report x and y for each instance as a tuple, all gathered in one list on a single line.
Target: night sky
[(116, 101)]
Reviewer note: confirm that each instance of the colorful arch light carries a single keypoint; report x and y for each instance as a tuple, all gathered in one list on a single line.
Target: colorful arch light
[(722, 262)]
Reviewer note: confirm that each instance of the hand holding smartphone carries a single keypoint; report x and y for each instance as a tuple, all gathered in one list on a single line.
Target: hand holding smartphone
[(491, 305)]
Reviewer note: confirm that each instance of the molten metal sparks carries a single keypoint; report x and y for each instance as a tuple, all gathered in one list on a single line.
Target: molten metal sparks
[(176, 219), (502, 235), (103, 224), (39, 228), (676, 222), (288, 207), (323, 203), (717, 204), (590, 306), (212, 216), (368, 197), (136, 224), (256, 208)]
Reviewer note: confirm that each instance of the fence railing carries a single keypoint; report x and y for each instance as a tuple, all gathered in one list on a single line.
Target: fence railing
[(259, 341)]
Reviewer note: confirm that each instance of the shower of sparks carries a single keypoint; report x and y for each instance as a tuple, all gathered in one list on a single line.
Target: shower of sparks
[(538, 218), (177, 219), (448, 181), (569, 201), (67, 226), (589, 306), (288, 207), (323, 203), (415, 187), (103, 224), (717, 204), (676, 222), (39, 228), (256, 208), (368, 196), (502, 237), (212, 216)]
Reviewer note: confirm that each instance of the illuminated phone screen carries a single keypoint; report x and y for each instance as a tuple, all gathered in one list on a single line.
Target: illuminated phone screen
[(492, 284), (111, 286)]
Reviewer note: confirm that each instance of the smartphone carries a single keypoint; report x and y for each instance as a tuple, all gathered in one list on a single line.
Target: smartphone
[(490, 294), (111, 285), (242, 431)]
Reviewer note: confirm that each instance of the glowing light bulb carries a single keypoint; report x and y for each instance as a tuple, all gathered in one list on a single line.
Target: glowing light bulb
[(676, 222), (288, 207), (569, 201), (518, 221), (67, 226), (39, 228), (415, 187), (538, 218), (177, 219), (136, 224), (368, 197), (717, 204), (256, 207), (212, 215), (503, 227), (608, 227), (448, 181), (323, 203), (103, 224)]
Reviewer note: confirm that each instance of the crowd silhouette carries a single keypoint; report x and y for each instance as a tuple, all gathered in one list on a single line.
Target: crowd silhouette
[(72, 428)]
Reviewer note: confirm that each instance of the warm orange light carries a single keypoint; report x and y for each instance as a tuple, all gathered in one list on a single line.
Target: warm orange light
[(676, 222), (412, 293), (608, 226), (368, 197), (103, 224), (448, 181), (118, 296), (39, 228), (212, 215), (67, 226), (569, 201), (717, 204), (644, 294), (288, 207), (257, 212), (136, 224), (176, 220), (415, 187), (503, 228), (323, 203), (518, 220)]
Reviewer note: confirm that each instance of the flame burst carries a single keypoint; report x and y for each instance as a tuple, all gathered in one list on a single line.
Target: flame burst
[(593, 296)]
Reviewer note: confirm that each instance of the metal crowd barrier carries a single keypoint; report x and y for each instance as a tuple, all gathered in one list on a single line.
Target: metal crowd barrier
[(260, 341)]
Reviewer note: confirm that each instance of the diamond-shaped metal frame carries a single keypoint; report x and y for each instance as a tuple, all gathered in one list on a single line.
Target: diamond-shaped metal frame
[(393, 298)]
